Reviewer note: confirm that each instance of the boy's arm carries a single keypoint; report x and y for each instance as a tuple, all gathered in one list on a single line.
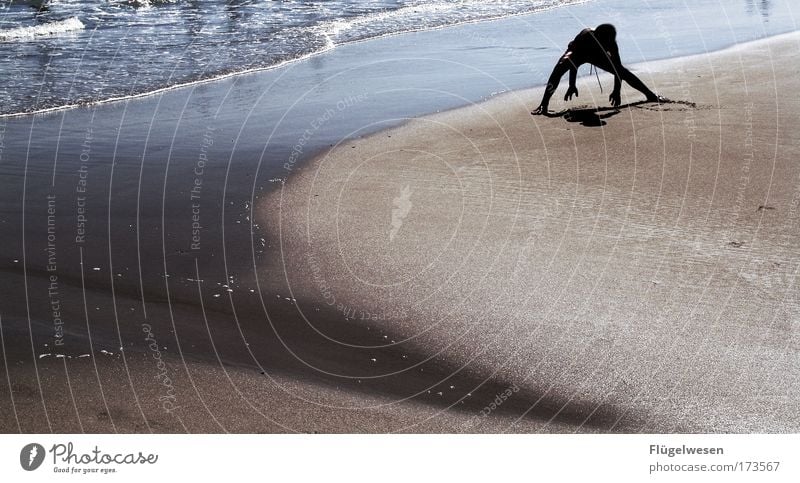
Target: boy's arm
[(616, 62), (573, 74)]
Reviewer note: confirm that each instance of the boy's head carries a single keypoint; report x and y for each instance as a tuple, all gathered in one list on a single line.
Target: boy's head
[(606, 34)]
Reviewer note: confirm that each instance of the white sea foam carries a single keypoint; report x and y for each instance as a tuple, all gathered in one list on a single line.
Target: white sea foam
[(421, 15), (53, 28)]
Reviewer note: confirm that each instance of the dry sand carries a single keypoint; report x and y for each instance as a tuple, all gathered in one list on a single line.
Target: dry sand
[(633, 269)]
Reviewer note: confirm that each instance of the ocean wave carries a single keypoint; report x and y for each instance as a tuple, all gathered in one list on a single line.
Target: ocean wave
[(169, 43), (419, 15), (51, 28)]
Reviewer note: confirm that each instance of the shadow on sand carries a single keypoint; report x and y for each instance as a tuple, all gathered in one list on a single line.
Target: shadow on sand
[(596, 116)]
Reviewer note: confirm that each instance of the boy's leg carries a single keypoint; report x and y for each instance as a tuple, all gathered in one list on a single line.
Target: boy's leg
[(637, 84), (561, 68), (628, 77)]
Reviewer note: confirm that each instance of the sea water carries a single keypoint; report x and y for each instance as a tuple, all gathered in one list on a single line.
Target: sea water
[(64, 52)]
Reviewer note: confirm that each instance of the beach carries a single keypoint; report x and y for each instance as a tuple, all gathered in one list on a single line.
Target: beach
[(478, 269), (637, 274)]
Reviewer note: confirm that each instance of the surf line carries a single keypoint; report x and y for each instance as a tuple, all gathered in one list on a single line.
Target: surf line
[(165, 89)]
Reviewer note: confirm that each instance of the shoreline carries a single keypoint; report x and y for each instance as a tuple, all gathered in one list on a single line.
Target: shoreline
[(599, 7), (651, 65)]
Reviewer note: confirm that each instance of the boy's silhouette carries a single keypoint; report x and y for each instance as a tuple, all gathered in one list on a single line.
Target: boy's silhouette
[(599, 48)]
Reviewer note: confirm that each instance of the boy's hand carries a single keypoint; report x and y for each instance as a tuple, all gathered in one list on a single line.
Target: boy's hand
[(572, 90), (615, 98)]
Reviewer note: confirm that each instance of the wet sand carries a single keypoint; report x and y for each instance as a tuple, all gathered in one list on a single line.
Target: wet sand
[(616, 270)]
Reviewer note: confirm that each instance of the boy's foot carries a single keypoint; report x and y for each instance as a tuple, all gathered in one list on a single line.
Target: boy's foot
[(656, 98), (539, 111)]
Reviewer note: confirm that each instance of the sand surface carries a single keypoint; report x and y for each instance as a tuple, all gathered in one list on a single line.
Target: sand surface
[(611, 270), (631, 269)]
